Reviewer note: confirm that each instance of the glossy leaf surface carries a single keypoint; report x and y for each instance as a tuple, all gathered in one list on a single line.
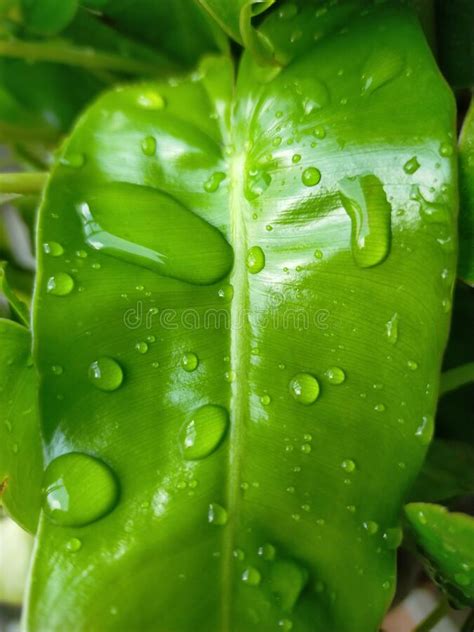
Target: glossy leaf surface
[(466, 215), (258, 375), (21, 460), (445, 540)]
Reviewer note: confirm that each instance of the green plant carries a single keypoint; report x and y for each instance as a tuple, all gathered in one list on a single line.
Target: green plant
[(242, 299)]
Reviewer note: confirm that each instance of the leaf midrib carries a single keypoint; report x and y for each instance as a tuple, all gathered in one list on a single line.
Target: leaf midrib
[(239, 356)]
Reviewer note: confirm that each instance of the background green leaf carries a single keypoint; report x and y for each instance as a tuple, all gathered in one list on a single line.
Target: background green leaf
[(21, 462), (444, 540)]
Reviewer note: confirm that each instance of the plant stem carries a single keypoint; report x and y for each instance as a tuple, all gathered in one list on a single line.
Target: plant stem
[(84, 57), (22, 183), (457, 377), (434, 617), (469, 623)]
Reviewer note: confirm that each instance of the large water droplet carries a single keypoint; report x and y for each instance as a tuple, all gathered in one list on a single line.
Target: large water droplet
[(217, 515), (251, 576), (203, 433), (190, 362), (411, 166), (78, 489), (335, 375), (60, 284), (146, 227), (365, 202), (53, 249), (311, 176), (267, 552), (213, 182), (106, 374), (393, 537), (304, 388), (381, 68), (255, 259)]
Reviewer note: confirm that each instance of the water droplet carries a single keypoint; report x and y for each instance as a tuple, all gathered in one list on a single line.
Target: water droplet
[(411, 166), (381, 68), (306, 448), (213, 182), (393, 537), (226, 292), (187, 248), (106, 374), (255, 259), (319, 132), (257, 182), (335, 375), (238, 554), (267, 552), (57, 369), (149, 146), (311, 176), (304, 388), (82, 254), (251, 576), (380, 408), (265, 400), (217, 515), (73, 545), (309, 94), (150, 100), (141, 347), (60, 284), (348, 465), (371, 527), (412, 365), (286, 625), (296, 158), (391, 329), (190, 362), (53, 249), (318, 254), (78, 489), (75, 161), (230, 376), (366, 204), (424, 432), (446, 150), (203, 433)]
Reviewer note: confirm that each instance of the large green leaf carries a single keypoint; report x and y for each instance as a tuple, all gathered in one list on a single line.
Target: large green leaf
[(21, 460), (445, 541), (245, 295)]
